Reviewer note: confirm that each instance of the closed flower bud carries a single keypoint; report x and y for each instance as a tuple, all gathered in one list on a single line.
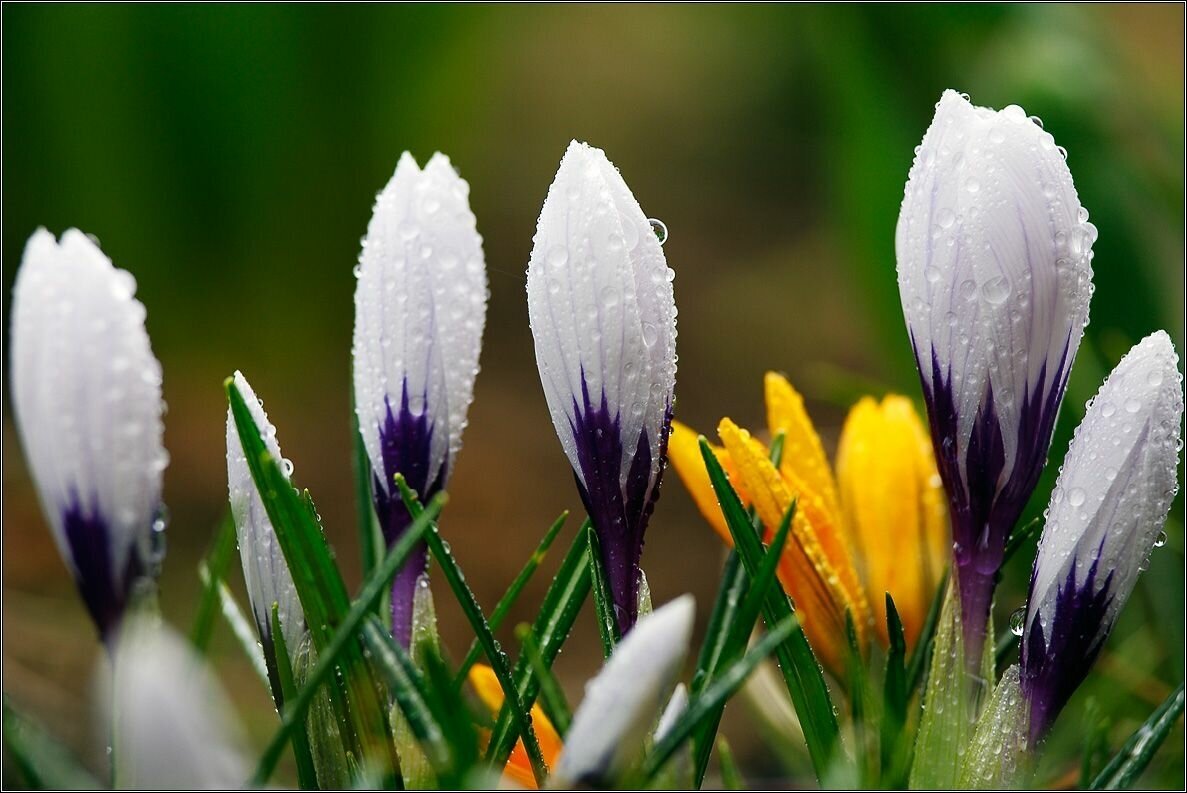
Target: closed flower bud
[(995, 274), (1106, 514), (86, 393), (623, 702), (265, 570), (420, 307), (604, 322)]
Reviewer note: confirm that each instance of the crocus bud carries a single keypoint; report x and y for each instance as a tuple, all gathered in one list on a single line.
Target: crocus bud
[(264, 568), (420, 306), (624, 700), (1106, 514), (86, 394), (995, 274), (604, 322), (174, 726)]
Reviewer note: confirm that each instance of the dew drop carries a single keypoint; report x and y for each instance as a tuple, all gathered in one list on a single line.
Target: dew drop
[(660, 229), (1133, 405), (945, 218), (1076, 496), (1160, 540), (996, 290), (1017, 619)]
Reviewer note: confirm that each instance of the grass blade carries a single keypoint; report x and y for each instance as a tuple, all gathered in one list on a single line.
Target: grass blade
[(503, 607), (603, 602), (38, 760), (801, 672), (1019, 537), (473, 611), (927, 636), (562, 602), (894, 748), (552, 697), (409, 690), (242, 629), (731, 776), (371, 542), (306, 775), (1137, 752), (714, 696), (215, 566), (346, 635)]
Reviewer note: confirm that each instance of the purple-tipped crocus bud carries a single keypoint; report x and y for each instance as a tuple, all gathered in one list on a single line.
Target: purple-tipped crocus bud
[(1106, 514), (995, 274), (604, 322), (86, 393), (420, 306), (265, 570)]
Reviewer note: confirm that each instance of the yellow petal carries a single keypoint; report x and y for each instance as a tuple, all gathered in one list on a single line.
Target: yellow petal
[(893, 506), (803, 454), (486, 684), (818, 586), (684, 453)]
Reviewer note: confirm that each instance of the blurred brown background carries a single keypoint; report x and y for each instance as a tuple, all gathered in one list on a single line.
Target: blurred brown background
[(229, 156)]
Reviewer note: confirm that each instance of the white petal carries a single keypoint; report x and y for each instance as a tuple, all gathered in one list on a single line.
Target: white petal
[(1117, 481), (600, 303), (621, 703), (420, 307), (86, 391), (264, 568), (994, 258), (677, 704), (175, 727)]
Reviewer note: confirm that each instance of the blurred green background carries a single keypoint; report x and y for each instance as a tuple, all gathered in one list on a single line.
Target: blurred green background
[(229, 156)]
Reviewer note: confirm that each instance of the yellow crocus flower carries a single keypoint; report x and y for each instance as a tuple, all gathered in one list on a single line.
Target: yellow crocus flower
[(518, 769), (879, 526)]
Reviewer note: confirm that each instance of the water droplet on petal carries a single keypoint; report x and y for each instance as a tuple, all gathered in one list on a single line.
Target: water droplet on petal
[(660, 229)]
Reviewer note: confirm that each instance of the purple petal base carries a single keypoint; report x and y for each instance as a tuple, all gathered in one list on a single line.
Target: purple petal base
[(1053, 666), (405, 441), (986, 501), (619, 512), (104, 592)]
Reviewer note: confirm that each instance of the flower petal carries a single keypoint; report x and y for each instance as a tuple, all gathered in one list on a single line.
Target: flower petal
[(86, 393), (486, 684), (622, 702), (265, 570), (684, 452), (824, 588), (803, 453), (1109, 504)]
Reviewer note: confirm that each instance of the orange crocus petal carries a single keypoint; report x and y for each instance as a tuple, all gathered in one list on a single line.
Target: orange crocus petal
[(821, 596), (803, 453), (886, 471), (519, 768), (684, 453)]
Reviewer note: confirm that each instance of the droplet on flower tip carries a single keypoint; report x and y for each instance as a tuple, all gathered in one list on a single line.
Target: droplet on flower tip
[(660, 229), (1160, 540)]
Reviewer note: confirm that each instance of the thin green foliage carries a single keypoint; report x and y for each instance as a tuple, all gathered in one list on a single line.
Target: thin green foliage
[(322, 593), (241, 628), (731, 776), (603, 600), (716, 693), (306, 775), (894, 748), (1019, 537), (409, 689), (923, 645), (473, 611), (511, 596), (558, 612), (552, 696), (370, 537), (215, 568), (38, 760), (346, 635), (1137, 752), (801, 672)]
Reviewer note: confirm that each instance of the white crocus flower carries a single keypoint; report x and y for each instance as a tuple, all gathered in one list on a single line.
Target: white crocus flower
[(622, 702), (174, 727), (86, 393), (1107, 511), (265, 570), (995, 275), (420, 307), (604, 322)]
